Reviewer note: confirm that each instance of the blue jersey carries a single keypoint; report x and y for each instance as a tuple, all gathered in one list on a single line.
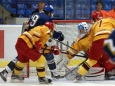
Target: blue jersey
[(109, 45), (38, 19)]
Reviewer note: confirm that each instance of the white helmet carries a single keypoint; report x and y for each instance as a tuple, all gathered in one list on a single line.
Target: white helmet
[(83, 26)]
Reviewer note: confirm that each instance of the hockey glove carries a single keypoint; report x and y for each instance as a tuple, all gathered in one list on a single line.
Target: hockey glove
[(55, 50), (58, 35), (38, 45)]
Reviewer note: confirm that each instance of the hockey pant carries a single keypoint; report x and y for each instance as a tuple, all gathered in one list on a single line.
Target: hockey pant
[(24, 54)]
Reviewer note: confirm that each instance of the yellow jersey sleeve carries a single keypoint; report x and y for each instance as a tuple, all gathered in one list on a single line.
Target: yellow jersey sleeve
[(38, 33)]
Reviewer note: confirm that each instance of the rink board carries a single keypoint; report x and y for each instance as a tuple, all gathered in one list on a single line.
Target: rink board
[(33, 64)]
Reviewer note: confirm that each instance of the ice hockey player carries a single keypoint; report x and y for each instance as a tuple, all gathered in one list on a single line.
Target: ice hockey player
[(109, 44), (29, 46), (83, 43), (99, 32), (48, 9)]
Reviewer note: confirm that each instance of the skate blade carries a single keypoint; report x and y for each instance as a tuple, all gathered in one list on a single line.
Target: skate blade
[(16, 81)]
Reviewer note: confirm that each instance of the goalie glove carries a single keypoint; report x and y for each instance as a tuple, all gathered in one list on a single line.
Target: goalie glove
[(55, 50)]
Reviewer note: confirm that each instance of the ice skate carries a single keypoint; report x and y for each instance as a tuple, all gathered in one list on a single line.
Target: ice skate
[(44, 80), (3, 75), (78, 78), (16, 79), (54, 75)]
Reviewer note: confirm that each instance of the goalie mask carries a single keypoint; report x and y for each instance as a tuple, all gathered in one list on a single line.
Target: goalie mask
[(82, 29)]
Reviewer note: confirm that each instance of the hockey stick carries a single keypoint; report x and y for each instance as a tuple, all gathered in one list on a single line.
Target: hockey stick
[(68, 53), (70, 47), (74, 54)]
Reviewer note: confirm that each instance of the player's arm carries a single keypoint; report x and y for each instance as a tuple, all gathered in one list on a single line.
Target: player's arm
[(77, 46)]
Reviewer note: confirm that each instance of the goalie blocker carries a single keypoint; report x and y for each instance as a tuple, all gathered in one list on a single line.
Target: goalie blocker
[(94, 74)]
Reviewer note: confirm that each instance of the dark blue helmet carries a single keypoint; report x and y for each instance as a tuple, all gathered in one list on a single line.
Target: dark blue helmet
[(48, 8)]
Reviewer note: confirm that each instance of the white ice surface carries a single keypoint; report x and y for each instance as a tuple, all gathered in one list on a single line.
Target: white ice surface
[(33, 81)]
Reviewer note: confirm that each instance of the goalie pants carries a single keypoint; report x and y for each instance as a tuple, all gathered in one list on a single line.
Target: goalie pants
[(99, 54), (24, 54), (106, 62)]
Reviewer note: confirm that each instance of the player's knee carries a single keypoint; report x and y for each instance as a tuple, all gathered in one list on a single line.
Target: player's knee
[(19, 67), (41, 62), (91, 62), (20, 64)]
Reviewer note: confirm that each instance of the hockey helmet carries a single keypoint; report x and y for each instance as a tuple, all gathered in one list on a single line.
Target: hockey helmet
[(83, 26), (50, 25), (83, 29), (48, 8)]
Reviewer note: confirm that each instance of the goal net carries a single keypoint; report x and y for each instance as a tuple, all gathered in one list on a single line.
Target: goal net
[(70, 31)]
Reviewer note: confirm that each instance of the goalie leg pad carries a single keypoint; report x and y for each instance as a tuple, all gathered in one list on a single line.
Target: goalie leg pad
[(95, 74)]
